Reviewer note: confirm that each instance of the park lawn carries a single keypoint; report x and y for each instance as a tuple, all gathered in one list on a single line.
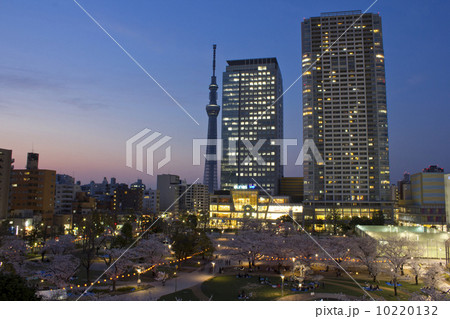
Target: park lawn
[(404, 291), (333, 288), (227, 288), (184, 295)]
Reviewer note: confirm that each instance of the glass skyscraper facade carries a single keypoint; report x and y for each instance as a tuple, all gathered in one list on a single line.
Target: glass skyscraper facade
[(344, 112), (252, 116)]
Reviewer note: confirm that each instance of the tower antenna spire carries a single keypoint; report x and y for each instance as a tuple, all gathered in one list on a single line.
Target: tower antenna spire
[(212, 109), (214, 60)]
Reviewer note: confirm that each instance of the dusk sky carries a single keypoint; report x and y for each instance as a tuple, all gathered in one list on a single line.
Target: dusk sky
[(72, 94)]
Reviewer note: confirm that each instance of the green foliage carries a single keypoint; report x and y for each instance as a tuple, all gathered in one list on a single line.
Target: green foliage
[(127, 231), (184, 244), (334, 219), (191, 221), (285, 219), (188, 243), (378, 219), (15, 288)]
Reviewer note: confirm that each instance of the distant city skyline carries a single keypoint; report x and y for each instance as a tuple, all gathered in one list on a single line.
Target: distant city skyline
[(71, 95)]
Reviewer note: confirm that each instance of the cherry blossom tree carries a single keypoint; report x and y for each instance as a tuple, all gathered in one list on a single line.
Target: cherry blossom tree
[(416, 269), (432, 279), (12, 255), (116, 265), (59, 270), (148, 252), (398, 252), (433, 276), (366, 249), (250, 244), (60, 246), (338, 248)]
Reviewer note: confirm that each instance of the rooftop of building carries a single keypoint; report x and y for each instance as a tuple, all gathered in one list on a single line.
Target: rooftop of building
[(340, 13), (252, 61)]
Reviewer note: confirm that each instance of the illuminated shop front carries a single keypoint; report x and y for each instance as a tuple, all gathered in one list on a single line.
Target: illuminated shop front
[(230, 209)]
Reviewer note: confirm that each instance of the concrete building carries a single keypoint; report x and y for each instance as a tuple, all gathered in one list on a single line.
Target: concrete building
[(292, 187), (169, 190), (65, 191), (138, 184), (150, 202), (127, 199), (83, 204), (196, 198), (427, 204), (345, 114), (230, 209), (252, 117), (34, 189), (404, 187), (6, 162)]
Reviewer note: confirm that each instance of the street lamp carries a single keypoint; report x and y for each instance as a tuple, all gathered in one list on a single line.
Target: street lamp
[(139, 276), (282, 285), (213, 264), (175, 276)]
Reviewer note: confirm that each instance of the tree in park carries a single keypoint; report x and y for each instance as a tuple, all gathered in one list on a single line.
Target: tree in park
[(60, 269), (15, 288), (127, 231), (61, 246), (91, 231), (12, 255), (116, 264), (205, 245), (285, 226), (303, 248), (366, 249), (148, 252), (184, 244), (397, 251), (334, 218), (433, 276), (432, 279), (338, 248), (416, 269), (250, 244)]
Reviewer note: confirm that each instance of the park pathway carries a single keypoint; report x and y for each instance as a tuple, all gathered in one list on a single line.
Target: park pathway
[(183, 281)]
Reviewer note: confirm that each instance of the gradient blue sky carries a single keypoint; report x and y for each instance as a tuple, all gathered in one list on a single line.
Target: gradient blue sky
[(67, 89)]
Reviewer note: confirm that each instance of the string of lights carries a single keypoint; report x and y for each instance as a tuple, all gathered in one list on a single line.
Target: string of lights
[(69, 287)]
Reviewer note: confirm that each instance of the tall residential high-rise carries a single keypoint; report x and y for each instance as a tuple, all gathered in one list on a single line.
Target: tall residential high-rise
[(212, 109), (252, 121), (345, 114), (5, 181)]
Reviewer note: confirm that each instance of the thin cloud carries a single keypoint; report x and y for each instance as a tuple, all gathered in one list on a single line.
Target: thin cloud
[(85, 104)]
